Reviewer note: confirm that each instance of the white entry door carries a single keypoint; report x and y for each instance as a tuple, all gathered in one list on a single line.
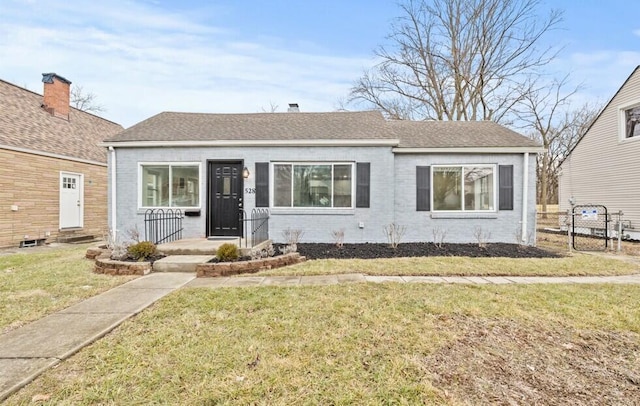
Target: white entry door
[(71, 200)]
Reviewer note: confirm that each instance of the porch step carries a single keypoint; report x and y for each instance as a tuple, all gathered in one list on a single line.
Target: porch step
[(76, 238), (180, 263), (202, 246)]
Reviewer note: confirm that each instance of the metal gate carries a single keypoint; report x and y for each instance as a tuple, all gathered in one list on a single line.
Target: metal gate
[(590, 226)]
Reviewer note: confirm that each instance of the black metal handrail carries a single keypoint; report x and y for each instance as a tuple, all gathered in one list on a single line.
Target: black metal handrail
[(162, 225), (255, 229)]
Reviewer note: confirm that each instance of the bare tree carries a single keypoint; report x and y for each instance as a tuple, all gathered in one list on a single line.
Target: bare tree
[(273, 108), (85, 101), (547, 115), (458, 59)]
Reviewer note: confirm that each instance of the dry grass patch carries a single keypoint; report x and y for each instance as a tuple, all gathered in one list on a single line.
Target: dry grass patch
[(363, 344), (34, 284), (575, 265)]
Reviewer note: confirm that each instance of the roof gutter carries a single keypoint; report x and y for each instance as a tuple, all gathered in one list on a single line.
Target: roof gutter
[(254, 143), (469, 150), (52, 155)]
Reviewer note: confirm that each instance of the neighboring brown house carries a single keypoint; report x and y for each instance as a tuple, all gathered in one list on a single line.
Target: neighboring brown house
[(53, 174)]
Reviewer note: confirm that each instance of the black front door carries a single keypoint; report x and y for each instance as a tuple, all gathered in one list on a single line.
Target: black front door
[(224, 197)]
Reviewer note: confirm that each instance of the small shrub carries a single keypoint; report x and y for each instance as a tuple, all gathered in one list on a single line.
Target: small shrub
[(117, 248), (394, 233), (292, 237), (338, 237), (481, 236), (227, 252), (439, 234), (142, 251)]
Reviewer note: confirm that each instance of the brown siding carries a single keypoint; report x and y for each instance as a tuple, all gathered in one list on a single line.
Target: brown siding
[(32, 183), (601, 169)]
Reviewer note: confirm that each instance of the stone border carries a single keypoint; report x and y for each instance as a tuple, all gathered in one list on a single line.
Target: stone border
[(253, 266), (94, 253), (112, 267)]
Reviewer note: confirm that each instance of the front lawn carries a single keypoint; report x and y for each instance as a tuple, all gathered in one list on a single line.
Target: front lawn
[(36, 283), (575, 265), (364, 344)]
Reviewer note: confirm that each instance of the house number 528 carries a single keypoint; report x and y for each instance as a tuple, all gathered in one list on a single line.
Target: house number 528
[(250, 190)]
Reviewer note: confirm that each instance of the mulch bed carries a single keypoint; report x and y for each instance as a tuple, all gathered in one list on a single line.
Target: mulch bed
[(374, 251)]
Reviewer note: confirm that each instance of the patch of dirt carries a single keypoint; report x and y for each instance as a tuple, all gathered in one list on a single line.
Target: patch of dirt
[(373, 251), (503, 362)]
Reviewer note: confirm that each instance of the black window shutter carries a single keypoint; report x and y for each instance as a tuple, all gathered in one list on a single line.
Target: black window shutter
[(505, 192), (363, 174), (423, 188), (262, 184)]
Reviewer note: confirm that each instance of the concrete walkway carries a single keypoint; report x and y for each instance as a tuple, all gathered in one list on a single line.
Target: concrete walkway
[(28, 351), (248, 281)]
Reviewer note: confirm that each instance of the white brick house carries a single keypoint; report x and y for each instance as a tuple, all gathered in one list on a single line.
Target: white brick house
[(323, 172)]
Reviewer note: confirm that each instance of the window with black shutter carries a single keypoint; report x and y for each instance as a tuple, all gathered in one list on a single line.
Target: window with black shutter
[(363, 174), (262, 184), (423, 186), (505, 192)]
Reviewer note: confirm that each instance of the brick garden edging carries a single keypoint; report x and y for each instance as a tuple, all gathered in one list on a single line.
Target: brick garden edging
[(96, 252), (112, 267), (255, 265)]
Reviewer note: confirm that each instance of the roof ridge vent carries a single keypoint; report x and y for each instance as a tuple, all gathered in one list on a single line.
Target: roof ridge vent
[(293, 108)]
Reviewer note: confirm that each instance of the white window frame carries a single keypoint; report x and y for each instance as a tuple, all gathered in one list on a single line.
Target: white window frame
[(272, 185), (169, 165), (494, 168), (622, 121)]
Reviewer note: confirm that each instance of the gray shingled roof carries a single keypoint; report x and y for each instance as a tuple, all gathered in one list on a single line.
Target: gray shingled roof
[(24, 124), (455, 134), (171, 126), (367, 125)]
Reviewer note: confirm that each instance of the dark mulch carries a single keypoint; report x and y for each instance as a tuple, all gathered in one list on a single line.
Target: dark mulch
[(373, 251)]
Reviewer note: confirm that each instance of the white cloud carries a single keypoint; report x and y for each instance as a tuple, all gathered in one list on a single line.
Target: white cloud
[(140, 60)]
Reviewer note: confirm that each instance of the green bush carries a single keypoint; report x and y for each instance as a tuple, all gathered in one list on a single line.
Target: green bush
[(142, 250), (227, 252)]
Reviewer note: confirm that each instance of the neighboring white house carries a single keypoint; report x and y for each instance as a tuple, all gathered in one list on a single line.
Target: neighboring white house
[(600, 169), (325, 172)]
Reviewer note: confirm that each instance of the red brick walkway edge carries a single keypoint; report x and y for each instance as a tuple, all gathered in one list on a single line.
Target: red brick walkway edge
[(235, 268)]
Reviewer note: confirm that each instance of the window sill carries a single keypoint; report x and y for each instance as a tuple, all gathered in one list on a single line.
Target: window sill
[(463, 215), (143, 210), (313, 211), (624, 139)]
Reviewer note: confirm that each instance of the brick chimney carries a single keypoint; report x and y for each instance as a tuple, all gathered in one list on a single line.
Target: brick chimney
[(56, 95)]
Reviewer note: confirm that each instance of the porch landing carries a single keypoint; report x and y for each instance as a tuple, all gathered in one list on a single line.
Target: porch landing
[(203, 246), (183, 255)]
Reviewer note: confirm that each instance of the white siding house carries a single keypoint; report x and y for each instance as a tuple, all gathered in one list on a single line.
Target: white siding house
[(601, 167)]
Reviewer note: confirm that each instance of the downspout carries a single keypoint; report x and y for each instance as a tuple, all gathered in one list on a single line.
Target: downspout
[(113, 193), (525, 193)]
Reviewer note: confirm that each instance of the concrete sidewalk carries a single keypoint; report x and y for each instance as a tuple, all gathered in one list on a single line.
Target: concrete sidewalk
[(28, 351), (248, 281)]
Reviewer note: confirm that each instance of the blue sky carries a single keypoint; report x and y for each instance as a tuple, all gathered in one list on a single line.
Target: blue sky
[(141, 57)]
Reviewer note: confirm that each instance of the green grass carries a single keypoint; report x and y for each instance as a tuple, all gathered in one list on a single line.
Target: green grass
[(578, 264), (34, 284), (344, 344)]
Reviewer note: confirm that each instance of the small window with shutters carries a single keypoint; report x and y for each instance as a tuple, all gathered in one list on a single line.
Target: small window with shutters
[(462, 188)]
